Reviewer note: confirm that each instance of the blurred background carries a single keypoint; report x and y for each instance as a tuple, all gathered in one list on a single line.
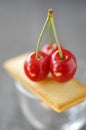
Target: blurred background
[(20, 24)]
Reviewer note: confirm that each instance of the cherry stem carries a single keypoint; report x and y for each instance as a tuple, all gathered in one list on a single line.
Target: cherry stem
[(56, 37), (40, 37), (50, 34), (49, 20)]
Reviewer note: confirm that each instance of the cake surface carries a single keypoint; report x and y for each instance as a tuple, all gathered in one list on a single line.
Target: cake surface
[(59, 96)]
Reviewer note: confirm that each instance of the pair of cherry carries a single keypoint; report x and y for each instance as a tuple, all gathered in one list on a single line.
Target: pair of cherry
[(49, 60), (52, 58)]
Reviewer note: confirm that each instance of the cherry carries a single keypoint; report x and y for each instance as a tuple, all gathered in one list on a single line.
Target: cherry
[(36, 65), (49, 48), (63, 69), (53, 57), (37, 69)]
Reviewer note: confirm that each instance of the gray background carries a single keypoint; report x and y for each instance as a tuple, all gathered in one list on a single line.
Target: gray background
[(20, 25)]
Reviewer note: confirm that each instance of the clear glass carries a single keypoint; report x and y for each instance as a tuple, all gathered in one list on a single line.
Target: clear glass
[(42, 117)]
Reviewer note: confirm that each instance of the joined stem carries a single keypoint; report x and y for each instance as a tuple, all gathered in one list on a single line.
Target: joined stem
[(49, 20), (50, 13)]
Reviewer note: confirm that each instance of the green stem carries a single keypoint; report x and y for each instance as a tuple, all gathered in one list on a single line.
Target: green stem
[(56, 38), (40, 37), (50, 34)]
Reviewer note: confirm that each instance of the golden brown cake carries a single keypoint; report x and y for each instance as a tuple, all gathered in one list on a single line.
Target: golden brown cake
[(59, 96)]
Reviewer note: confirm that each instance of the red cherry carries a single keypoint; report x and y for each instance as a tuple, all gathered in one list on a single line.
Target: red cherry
[(48, 49), (63, 69), (37, 69)]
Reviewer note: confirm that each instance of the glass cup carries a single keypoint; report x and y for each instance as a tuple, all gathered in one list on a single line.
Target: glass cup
[(42, 117)]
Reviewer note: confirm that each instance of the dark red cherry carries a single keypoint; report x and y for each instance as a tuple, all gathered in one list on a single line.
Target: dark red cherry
[(63, 69), (37, 69)]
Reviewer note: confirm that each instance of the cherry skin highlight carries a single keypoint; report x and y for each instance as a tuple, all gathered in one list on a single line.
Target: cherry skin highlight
[(63, 69), (37, 69), (49, 48)]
